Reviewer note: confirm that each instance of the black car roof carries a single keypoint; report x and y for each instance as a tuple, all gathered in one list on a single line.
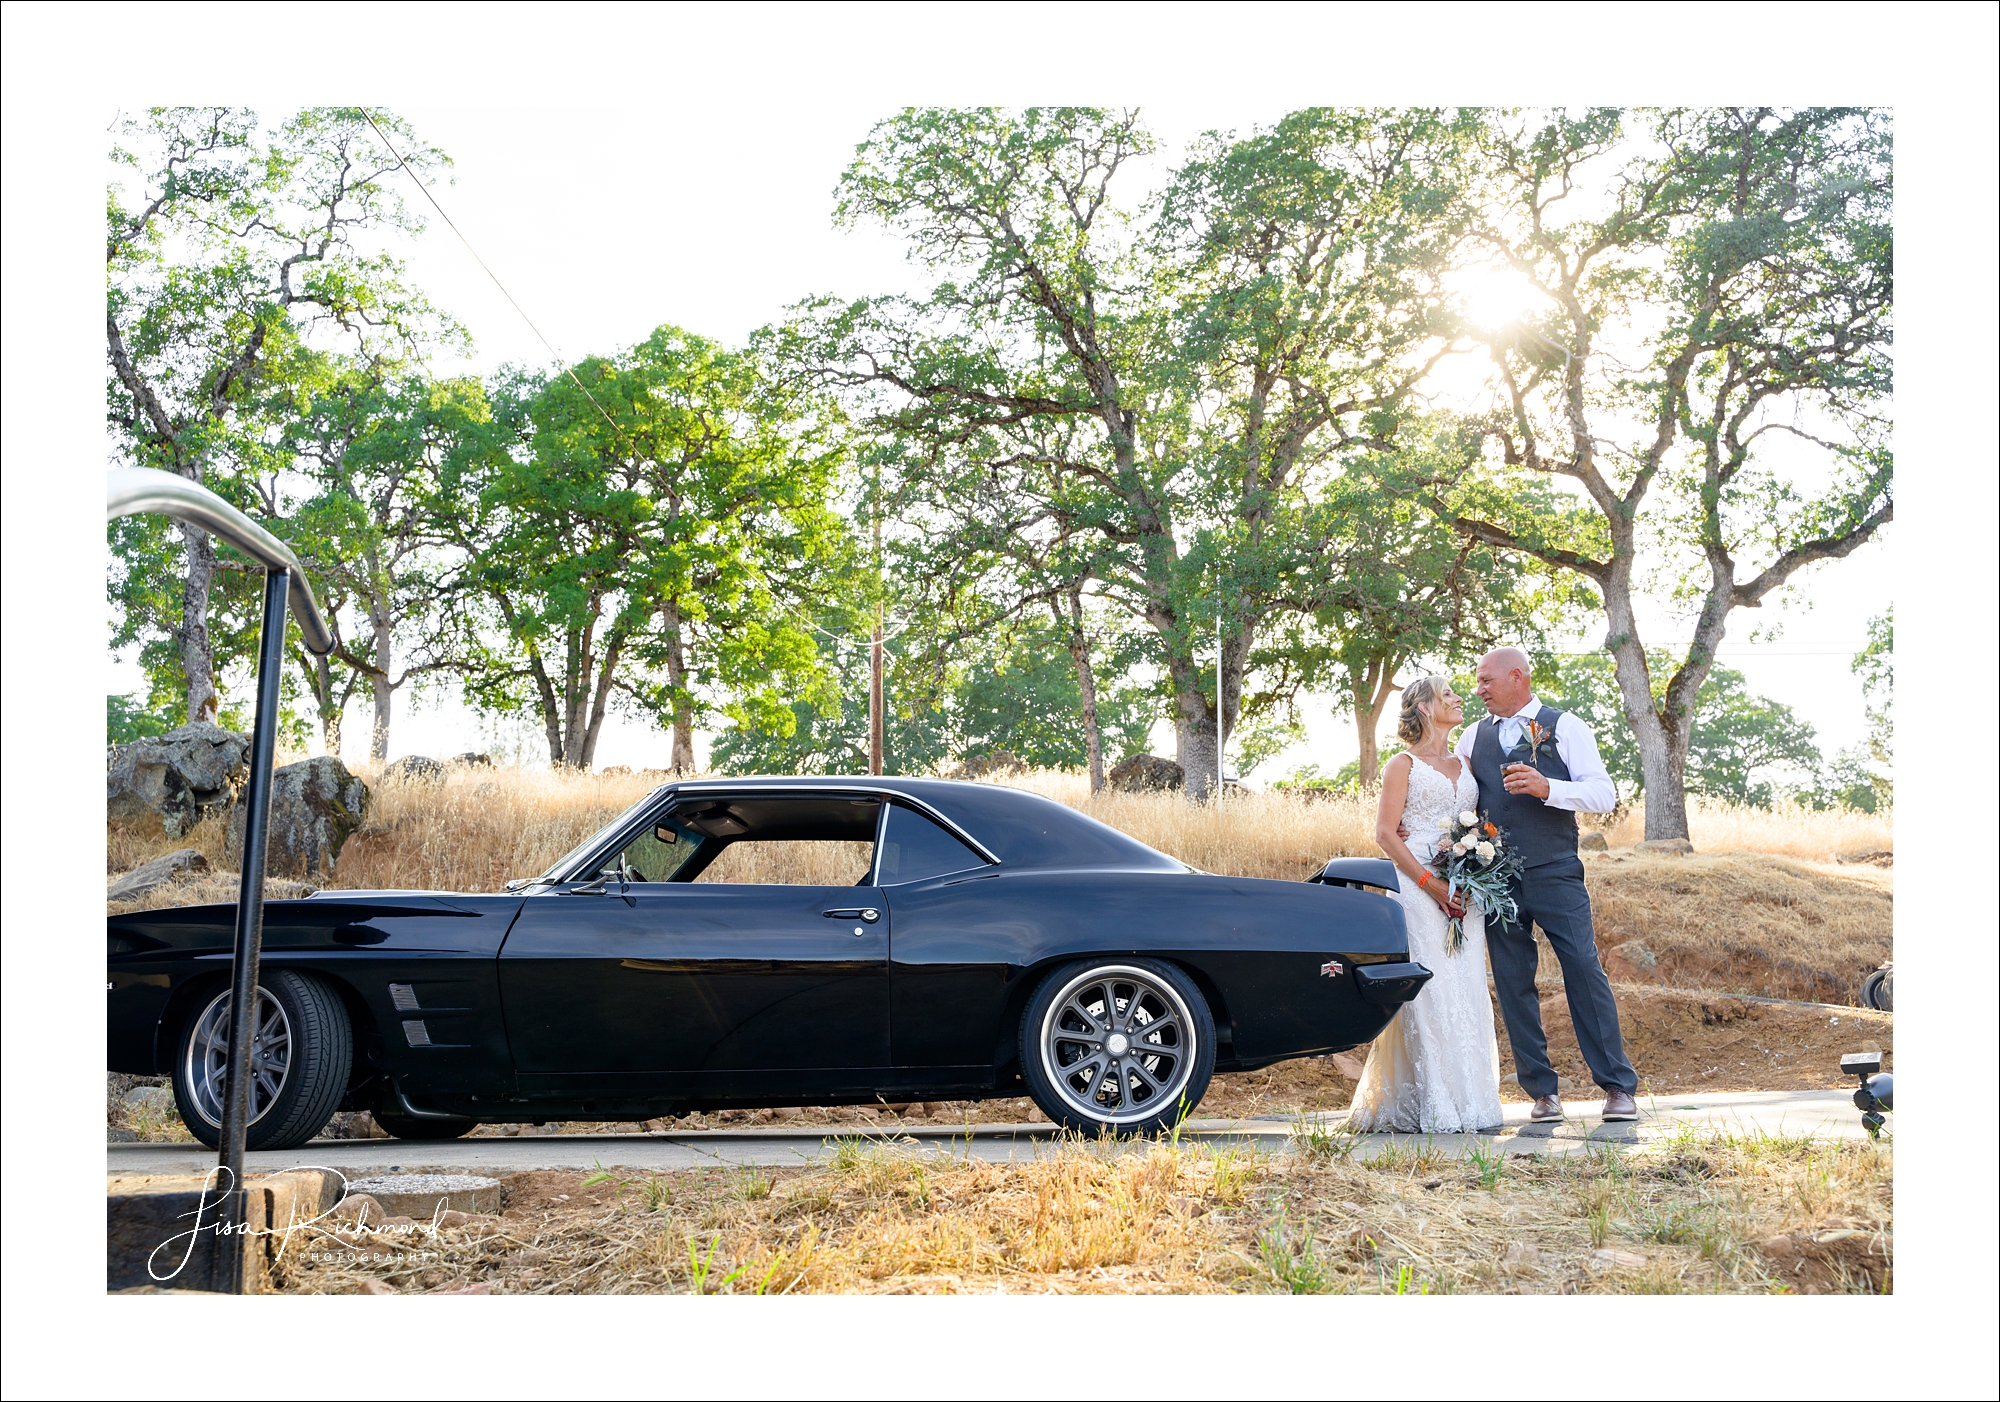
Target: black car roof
[(1020, 828)]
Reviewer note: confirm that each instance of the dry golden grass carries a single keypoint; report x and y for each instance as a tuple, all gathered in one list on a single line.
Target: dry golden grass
[(1782, 830), (1715, 1215), (481, 827), (791, 863)]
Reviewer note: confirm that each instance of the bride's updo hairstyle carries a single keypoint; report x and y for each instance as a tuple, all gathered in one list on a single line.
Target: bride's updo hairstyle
[(1410, 724)]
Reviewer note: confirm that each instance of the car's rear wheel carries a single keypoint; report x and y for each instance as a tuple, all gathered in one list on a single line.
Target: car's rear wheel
[(1117, 1046), (300, 1054), (403, 1126)]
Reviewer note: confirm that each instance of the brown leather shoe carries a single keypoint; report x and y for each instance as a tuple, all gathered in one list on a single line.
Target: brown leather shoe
[(1546, 1108), (1618, 1106)]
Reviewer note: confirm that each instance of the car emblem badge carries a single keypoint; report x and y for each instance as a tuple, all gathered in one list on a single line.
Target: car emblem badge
[(1331, 969)]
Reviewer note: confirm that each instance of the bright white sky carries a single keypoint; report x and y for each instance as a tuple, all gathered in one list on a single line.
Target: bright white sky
[(605, 222)]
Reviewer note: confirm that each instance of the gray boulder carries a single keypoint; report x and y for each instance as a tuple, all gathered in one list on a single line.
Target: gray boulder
[(179, 776), (1592, 842), (316, 805), (146, 879), (993, 763), (414, 769), (472, 758), (1145, 774)]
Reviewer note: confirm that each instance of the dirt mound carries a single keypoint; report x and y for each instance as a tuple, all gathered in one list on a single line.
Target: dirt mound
[(1740, 923)]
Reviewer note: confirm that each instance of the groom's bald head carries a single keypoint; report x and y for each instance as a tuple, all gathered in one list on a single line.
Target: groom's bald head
[(1504, 680)]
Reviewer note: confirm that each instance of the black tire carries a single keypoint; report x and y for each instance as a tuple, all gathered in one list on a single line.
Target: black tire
[(1164, 1071), (403, 1126), (290, 1103), (1878, 991)]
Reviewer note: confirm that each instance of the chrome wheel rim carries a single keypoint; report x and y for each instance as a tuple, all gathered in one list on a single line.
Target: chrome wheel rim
[(208, 1057), (1118, 1044)]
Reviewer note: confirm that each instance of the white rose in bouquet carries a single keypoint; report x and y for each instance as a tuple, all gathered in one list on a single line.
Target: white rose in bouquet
[(1460, 845), (1470, 819), (1486, 851), (1444, 825)]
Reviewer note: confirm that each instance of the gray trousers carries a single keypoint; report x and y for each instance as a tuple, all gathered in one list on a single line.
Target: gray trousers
[(1553, 898)]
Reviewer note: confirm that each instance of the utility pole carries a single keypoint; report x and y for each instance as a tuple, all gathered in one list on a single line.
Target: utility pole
[(875, 710)]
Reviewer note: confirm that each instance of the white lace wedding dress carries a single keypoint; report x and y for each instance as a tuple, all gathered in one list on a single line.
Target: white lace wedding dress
[(1436, 1067)]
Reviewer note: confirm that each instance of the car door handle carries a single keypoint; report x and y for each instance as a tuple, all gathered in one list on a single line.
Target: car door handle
[(870, 914)]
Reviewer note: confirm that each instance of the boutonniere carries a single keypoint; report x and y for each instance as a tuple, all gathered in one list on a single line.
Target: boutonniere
[(1537, 737)]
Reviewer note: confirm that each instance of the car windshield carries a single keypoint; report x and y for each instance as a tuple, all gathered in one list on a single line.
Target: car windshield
[(570, 857)]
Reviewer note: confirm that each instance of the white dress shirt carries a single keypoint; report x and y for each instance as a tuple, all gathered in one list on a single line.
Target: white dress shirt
[(1588, 789)]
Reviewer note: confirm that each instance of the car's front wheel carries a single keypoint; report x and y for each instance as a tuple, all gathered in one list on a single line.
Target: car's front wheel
[(300, 1053), (1117, 1046)]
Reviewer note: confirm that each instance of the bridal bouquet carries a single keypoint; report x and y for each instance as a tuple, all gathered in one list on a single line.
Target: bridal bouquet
[(1475, 861)]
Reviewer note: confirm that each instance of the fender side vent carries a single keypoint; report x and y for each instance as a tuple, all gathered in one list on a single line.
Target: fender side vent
[(416, 1034), (404, 997)]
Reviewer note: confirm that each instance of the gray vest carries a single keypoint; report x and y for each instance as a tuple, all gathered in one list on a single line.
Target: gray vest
[(1540, 833)]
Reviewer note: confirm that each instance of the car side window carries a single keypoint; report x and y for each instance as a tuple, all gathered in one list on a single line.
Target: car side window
[(913, 848)]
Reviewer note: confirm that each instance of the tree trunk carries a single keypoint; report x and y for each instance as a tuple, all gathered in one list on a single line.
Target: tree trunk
[(385, 693), (1662, 738), (1371, 690), (677, 678), (332, 712), (600, 697), (197, 650), (1196, 742), (1086, 686)]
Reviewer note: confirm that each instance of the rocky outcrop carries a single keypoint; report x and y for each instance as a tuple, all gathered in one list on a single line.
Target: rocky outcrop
[(414, 769), (472, 758), (1145, 774), (144, 880), (178, 777), (1592, 842), (316, 806)]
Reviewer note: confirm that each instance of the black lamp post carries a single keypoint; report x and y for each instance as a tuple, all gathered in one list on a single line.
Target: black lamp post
[(134, 490)]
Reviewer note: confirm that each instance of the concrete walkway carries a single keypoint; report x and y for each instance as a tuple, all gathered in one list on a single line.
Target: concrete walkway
[(1819, 1114)]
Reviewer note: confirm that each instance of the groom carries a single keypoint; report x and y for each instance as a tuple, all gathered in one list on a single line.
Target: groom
[(1537, 768)]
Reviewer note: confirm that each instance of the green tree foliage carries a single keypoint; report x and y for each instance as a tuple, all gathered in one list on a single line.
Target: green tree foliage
[(950, 697), (1867, 773), (375, 518), (1708, 284), (1174, 392), (654, 529), (235, 259), (1401, 590), (126, 720)]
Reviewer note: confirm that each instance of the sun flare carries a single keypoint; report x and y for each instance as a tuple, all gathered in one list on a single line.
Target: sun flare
[(1494, 297)]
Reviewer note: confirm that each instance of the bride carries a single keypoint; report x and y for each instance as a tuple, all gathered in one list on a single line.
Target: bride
[(1436, 1067)]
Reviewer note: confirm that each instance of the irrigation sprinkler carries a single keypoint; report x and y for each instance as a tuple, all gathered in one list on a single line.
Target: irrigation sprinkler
[(135, 491)]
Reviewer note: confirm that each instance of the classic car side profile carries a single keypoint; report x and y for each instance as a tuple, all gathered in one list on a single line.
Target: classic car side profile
[(992, 941)]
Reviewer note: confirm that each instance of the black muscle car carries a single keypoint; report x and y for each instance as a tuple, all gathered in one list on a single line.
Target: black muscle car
[(992, 942)]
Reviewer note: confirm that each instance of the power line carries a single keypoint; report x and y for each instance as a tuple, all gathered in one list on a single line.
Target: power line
[(405, 165)]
